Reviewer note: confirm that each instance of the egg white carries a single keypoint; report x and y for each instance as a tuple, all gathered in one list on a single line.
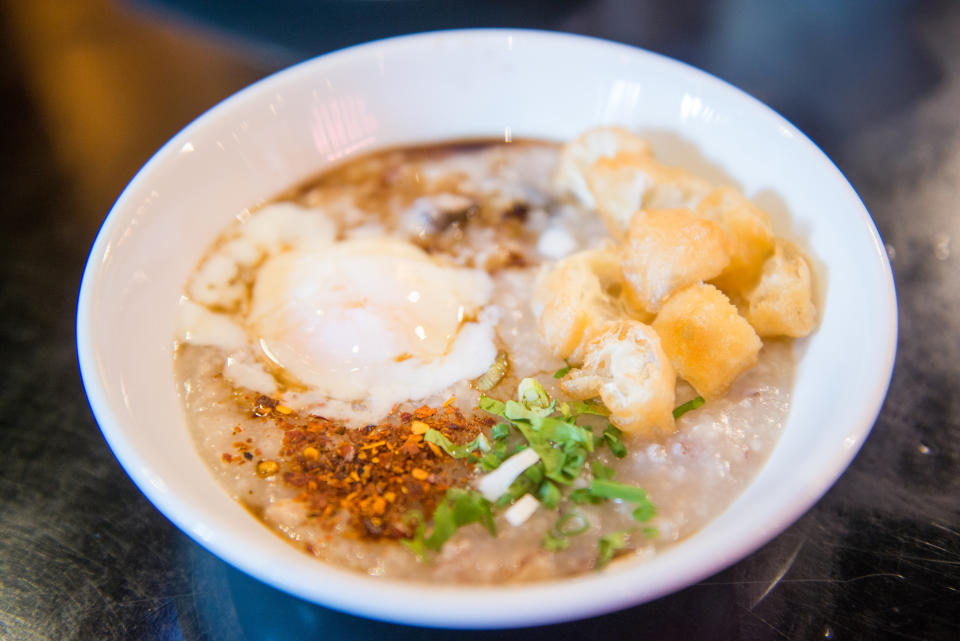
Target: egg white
[(375, 320)]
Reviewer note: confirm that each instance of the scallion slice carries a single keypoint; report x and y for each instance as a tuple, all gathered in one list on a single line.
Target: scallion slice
[(454, 450), (601, 471), (490, 462), (519, 512), (583, 495), (612, 436), (692, 404), (593, 406), (458, 508), (493, 376), (535, 473), (644, 511), (549, 494), (494, 484), (610, 544), (612, 490), (554, 543), (572, 524), (531, 393), (518, 488), (561, 445)]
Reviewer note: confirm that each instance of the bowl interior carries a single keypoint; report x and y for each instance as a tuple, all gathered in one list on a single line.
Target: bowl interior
[(446, 86)]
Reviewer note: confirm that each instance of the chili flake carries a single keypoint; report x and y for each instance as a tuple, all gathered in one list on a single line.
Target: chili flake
[(369, 478), (267, 468)]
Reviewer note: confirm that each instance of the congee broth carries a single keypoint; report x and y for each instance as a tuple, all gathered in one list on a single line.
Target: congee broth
[(492, 362)]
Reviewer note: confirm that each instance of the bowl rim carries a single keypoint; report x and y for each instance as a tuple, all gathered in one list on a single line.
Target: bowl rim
[(492, 606)]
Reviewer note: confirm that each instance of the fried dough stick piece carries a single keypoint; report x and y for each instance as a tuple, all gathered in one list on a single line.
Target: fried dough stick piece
[(749, 237), (625, 365), (628, 182), (576, 295), (781, 304), (709, 343), (580, 153), (667, 250)]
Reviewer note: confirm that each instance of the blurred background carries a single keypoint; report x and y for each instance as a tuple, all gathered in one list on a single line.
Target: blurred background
[(89, 89)]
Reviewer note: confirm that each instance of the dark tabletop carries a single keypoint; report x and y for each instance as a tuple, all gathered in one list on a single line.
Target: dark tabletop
[(89, 88)]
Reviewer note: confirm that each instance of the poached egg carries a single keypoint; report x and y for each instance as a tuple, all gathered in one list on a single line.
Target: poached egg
[(375, 320)]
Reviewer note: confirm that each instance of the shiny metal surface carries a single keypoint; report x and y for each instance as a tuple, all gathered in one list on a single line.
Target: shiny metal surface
[(90, 88)]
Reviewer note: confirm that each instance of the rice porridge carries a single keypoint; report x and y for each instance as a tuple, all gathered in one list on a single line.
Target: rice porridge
[(492, 362)]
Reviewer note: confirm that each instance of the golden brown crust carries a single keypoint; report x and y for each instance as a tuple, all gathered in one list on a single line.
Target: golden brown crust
[(707, 340), (576, 295), (675, 232), (625, 365), (781, 304), (669, 249), (627, 182), (584, 150), (749, 238)]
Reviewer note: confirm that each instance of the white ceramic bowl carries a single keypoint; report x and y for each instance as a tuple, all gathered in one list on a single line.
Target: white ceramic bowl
[(466, 84)]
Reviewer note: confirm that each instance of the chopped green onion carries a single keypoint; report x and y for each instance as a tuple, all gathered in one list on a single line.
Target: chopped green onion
[(572, 466), (611, 544), (517, 410), (554, 543), (651, 532), (491, 405), (416, 543), (494, 484), (613, 490), (498, 369), (531, 393), (458, 508), (490, 462), (518, 513), (573, 409), (592, 406), (692, 404), (481, 442), (601, 471), (580, 524), (544, 433), (444, 526), (560, 373), (583, 495), (500, 431), (456, 451), (549, 494), (645, 511), (469, 506), (612, 436), (563, 448), (535, 473), (558, 538), (522, 485)]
